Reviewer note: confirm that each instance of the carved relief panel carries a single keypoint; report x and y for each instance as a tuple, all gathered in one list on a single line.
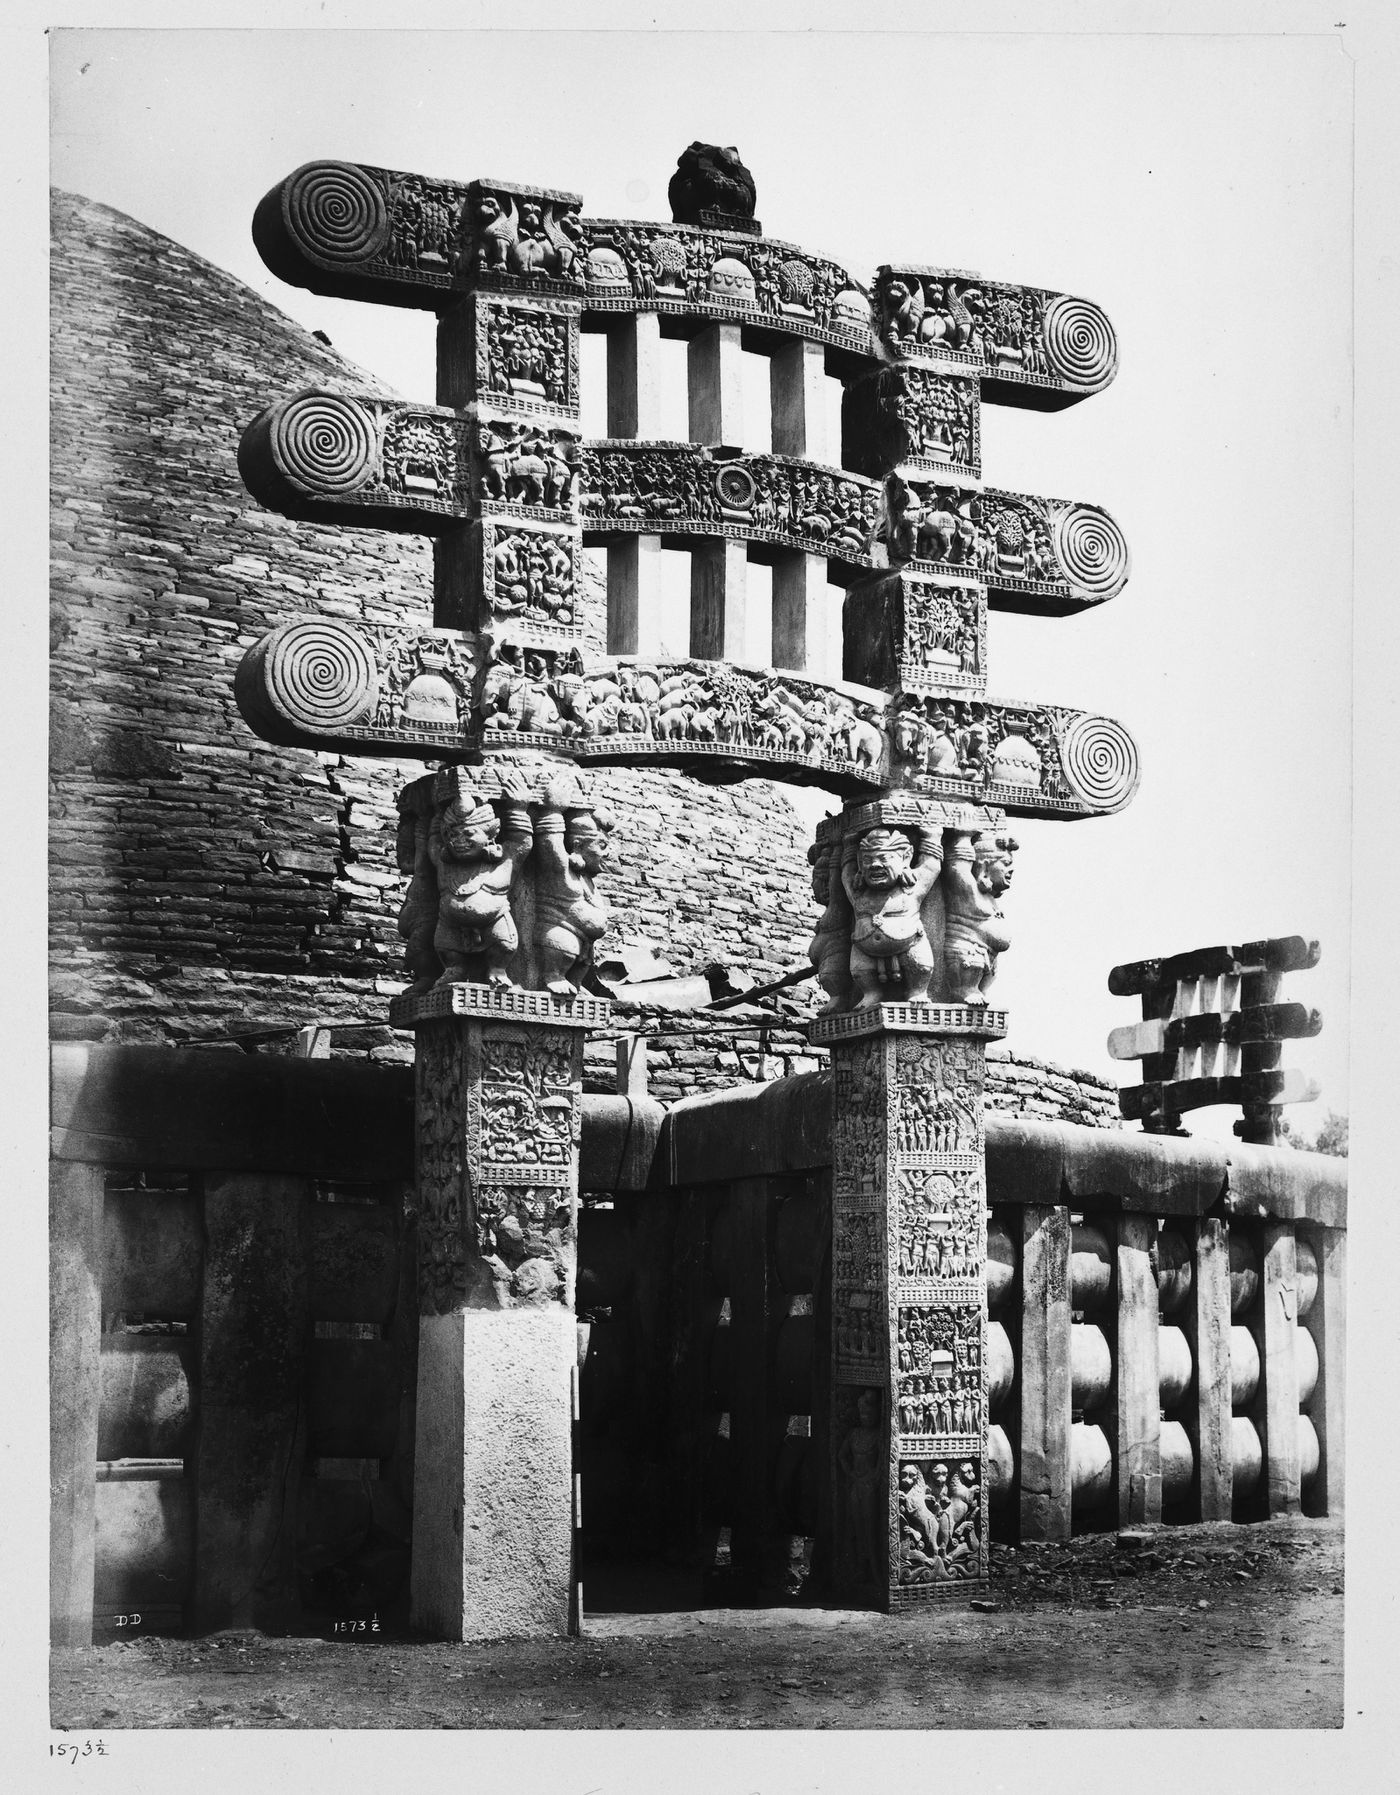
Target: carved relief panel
[(527, 576), (522, 355), (916, 632), (498, 1107), (908, 1310)]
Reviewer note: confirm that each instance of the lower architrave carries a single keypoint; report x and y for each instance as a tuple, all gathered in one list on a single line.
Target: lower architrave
[(499, 1081), (909, 1308)]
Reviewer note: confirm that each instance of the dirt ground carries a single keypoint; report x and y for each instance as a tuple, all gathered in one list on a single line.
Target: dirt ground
[(1213, 1626)]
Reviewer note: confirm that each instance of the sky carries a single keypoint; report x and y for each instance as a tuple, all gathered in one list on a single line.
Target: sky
[(1197, 188)]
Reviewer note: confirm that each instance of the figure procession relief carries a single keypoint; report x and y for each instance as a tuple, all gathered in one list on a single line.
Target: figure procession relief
[(534, 691), (681, 485)]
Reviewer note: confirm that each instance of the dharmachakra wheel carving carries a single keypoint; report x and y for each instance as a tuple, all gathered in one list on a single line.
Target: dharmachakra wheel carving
[(336, 213), (1099, 760), (321, 675), (1080, 345), (324, 443), (1092, 550), (736, 488)]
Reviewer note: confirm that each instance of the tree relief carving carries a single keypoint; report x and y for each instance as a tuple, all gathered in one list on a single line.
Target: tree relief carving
[(526, 1129)]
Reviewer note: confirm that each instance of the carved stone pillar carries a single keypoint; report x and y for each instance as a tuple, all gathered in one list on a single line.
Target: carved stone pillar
[(500, 923), (499, 1081), (906, 949), (908, 1302)]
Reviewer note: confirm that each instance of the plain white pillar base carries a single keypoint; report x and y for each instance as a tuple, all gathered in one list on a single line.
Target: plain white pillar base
[(493, 1527)]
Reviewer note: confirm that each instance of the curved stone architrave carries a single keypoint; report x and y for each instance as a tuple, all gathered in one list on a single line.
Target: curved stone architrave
[(1041, 556), (355, 458), (357, 231), (1030, 346), (444, 696), (681, 489), (434, 468)]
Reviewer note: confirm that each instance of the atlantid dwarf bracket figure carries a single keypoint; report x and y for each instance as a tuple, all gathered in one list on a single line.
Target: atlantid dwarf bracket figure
[(476, 855), (570, 914), (887, 879), (977, 871)]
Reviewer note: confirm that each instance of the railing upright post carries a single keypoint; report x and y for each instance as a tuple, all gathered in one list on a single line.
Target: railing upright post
[(252, 1376), (1279, 1366), (1208, 1334), (1326, 1321), (1046, 1389), (75, 1391), (1137, 1393)]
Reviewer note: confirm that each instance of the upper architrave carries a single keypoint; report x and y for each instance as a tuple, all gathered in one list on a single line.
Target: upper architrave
[(354, 231)]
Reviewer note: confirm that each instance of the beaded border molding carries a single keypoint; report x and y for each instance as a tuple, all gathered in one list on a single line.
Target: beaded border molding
[(908, 1018), (498, 1003)]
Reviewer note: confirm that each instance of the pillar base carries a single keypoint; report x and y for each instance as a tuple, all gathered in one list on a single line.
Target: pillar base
[(493, 1509)]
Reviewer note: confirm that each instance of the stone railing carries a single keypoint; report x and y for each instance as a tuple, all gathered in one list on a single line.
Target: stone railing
[(234, 1332)]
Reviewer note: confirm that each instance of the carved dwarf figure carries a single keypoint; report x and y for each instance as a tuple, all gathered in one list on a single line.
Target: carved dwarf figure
[(476, 855), (887, 880), (418, 915), (976, 872), (830, 947), (570, 915)]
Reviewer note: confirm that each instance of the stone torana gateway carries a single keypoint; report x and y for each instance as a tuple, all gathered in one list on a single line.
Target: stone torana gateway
[(507, 849)]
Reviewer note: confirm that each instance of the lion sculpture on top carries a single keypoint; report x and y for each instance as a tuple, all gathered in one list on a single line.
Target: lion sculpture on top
[(710, 179)]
